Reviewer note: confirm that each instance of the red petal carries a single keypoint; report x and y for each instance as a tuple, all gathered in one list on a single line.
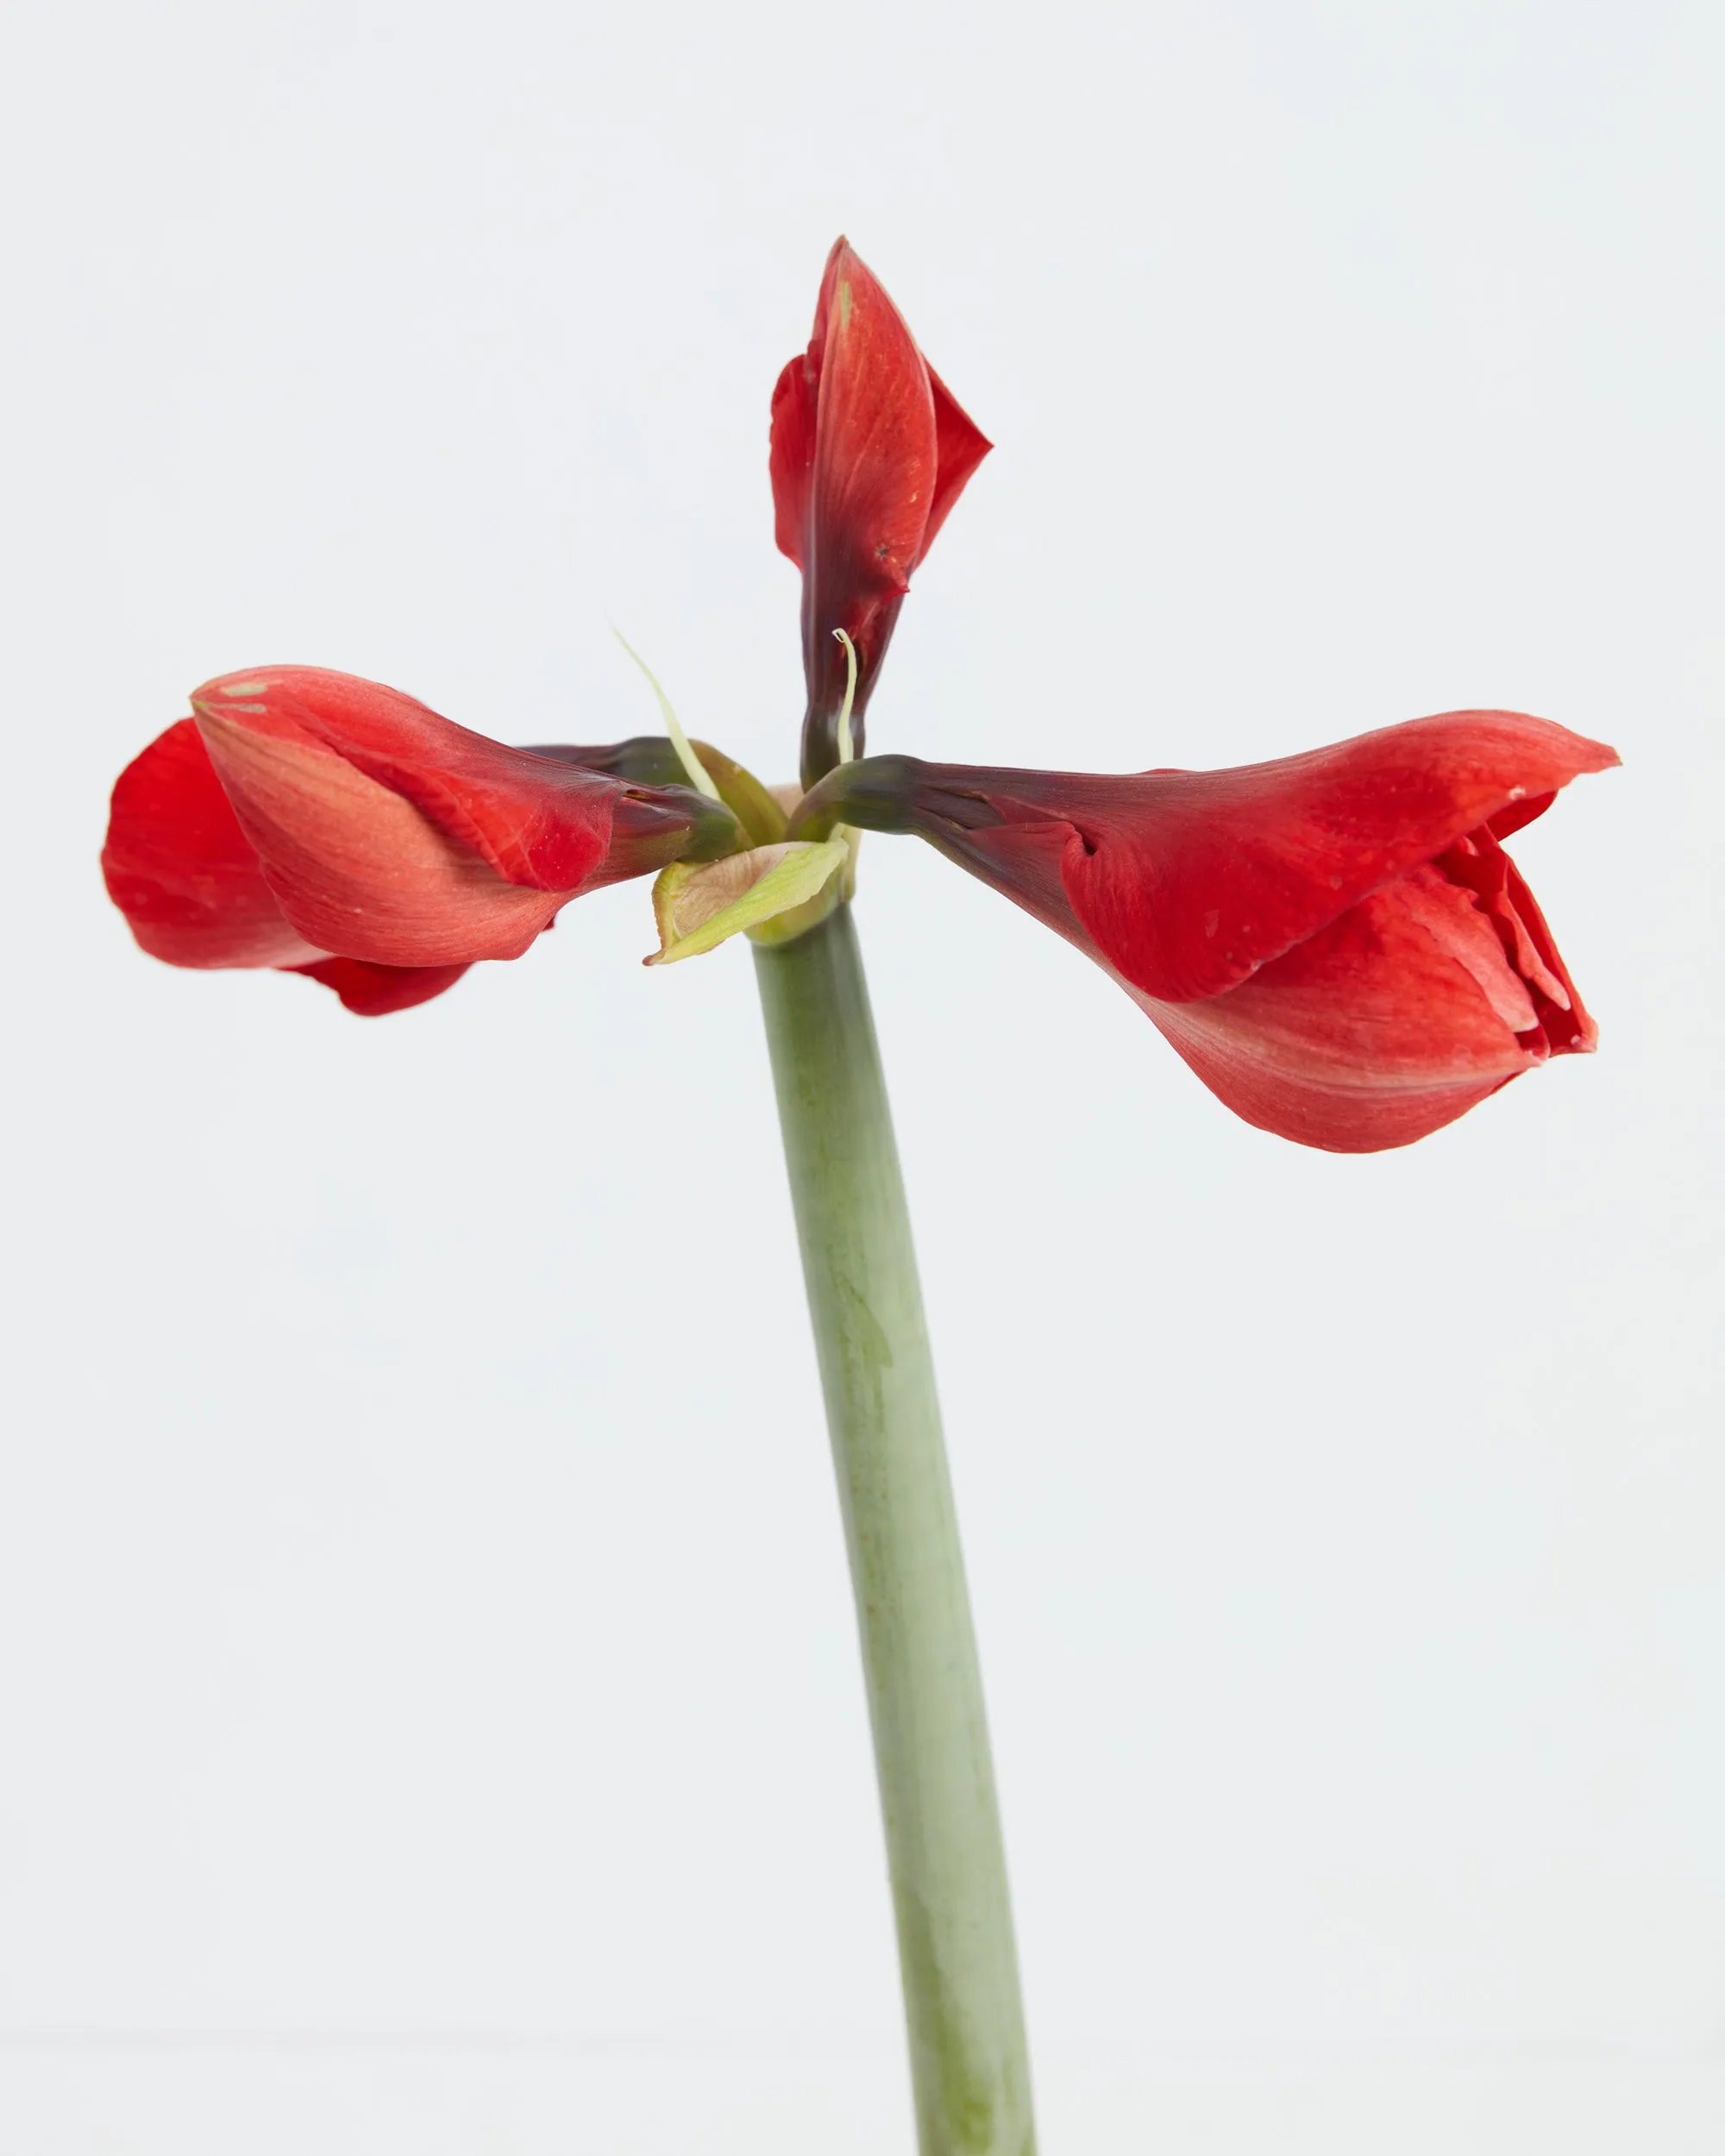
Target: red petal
[(790, 455), (1480, 865), (1189, 881), (541, 825), (389, 834), (870, 452), (871, 482), (875, 442), (372, 992), (1024, 861), (356, 867), (1568, 1029), (179, 867), (1373, 1032), (959, 444), (1379, 1030), (960, 447), (1519, 814), (1386, 1019)]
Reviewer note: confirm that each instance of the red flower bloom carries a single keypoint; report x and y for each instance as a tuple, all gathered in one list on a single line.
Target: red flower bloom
[(870, 452), (1336, 942), (323, 824)]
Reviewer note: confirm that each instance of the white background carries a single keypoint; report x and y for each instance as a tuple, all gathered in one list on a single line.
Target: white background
[(428, 1703)]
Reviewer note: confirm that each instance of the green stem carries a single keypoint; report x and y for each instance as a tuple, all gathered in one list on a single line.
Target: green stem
[(968, 2065)]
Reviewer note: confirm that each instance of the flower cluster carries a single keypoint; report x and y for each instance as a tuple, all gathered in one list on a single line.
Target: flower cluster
[(1336, 942)]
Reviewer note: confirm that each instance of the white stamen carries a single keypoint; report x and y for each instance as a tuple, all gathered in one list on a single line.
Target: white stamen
[(847, 748)]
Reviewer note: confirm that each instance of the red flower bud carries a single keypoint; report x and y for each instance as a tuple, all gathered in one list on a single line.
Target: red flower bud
[(870, 452), (319, 823), (1336, 942)]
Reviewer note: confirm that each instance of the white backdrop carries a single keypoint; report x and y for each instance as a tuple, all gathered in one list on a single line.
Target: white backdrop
[(430, 1713)]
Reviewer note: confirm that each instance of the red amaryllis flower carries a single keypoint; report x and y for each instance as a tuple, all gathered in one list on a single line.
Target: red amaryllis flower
[(870, 452), (322, 824), (1336, 942)]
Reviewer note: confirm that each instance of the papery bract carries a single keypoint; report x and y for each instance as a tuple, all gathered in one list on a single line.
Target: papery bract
[(870, 452), (1336, 942)]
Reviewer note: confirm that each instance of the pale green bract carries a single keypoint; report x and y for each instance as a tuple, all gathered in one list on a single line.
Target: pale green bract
[(776, 887)]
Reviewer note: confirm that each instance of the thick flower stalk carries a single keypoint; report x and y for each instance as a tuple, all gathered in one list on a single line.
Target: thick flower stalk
[(1336, 942)]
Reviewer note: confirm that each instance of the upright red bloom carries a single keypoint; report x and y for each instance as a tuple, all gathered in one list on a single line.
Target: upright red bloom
[(323, 824), (870, 452), (1336, 942)]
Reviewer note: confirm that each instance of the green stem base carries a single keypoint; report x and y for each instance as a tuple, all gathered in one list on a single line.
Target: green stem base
[(970, 2067)]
